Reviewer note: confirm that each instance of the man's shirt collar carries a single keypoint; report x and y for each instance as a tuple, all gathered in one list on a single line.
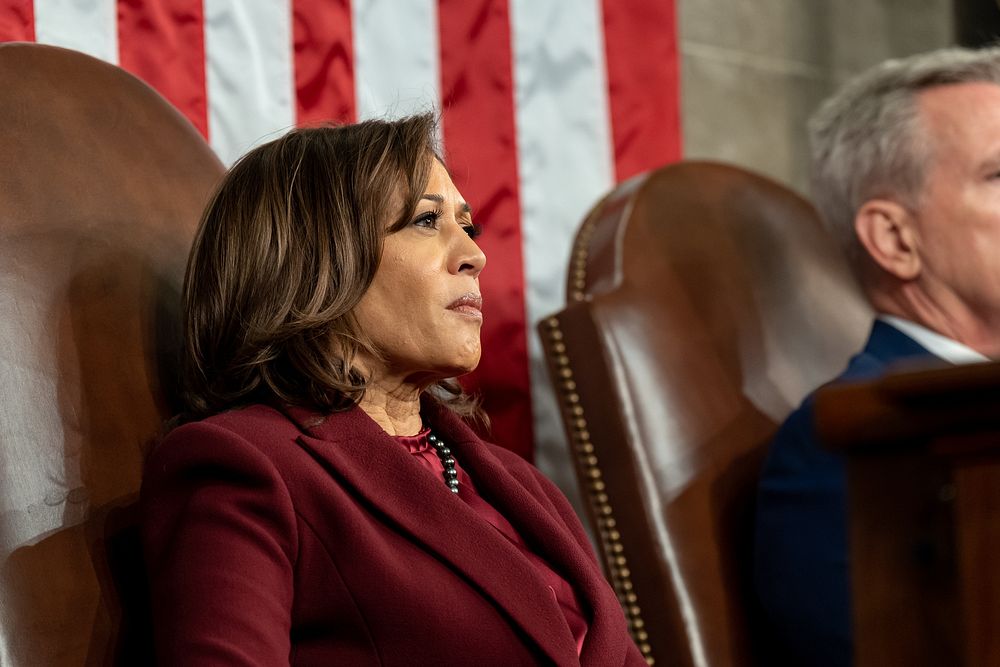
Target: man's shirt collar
[(941, 346)]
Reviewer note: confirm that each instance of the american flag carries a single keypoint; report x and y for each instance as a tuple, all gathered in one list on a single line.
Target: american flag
[(545, 104)]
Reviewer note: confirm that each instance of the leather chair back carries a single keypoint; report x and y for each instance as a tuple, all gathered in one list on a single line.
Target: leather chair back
[(101, 186), (704, 302)]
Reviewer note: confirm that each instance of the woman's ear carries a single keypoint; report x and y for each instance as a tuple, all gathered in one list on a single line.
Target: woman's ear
[(886, 231)]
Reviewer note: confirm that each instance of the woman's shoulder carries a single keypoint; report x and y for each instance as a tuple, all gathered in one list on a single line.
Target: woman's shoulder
[(255, 427), (252, 422)]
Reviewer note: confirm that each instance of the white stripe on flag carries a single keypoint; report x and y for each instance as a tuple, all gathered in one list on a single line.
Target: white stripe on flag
[(565, 163), (396, 57), (251, 98), (90, 26)]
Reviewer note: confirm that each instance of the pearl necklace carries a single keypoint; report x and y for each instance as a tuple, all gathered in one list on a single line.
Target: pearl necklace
[(447, 460)]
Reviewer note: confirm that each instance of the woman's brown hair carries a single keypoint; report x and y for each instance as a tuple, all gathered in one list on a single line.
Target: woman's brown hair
[(286, 248)]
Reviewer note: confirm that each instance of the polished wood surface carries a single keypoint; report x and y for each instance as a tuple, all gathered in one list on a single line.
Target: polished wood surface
[(911, 405), (902, 561), (923, 452), (680, 349), (978, 539), (101, 186)]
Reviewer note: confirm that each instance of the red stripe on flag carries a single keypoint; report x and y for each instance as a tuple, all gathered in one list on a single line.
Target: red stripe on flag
[(17, 21), (324, 61), (641, 50), (477, 93), (163, 44)]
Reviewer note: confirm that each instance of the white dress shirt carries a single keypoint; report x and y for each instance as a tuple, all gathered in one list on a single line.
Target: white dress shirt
[(941, 346)]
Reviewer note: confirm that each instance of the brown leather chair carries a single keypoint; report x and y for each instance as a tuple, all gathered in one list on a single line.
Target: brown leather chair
[(704, 302), (101, 186)]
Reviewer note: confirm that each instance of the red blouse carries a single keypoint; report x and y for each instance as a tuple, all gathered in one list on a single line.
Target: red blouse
[(420, 447)]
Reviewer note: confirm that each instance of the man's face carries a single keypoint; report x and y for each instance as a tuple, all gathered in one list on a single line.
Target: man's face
[(958, 215)]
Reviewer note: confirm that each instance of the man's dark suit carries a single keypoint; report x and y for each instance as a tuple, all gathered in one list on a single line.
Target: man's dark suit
[(800, 567)]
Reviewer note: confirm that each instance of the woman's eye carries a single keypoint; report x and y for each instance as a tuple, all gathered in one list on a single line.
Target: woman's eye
[(473, 230), (428, 220)]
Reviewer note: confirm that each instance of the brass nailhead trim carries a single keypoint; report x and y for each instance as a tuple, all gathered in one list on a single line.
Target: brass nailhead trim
[(579, 260), (588, 463)]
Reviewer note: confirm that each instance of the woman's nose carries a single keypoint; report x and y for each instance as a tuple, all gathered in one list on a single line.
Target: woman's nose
[(467, 256)]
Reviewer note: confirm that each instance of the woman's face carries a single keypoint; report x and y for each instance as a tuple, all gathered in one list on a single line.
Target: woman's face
[(423, 310)]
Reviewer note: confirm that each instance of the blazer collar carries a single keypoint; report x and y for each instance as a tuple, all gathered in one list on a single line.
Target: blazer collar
[(366, 459)]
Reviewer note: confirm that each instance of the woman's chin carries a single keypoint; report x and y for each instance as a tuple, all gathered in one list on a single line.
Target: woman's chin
[(467, 358), (463, 367)]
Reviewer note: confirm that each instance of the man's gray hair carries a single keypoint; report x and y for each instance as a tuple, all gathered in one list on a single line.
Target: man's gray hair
[(867, 141)]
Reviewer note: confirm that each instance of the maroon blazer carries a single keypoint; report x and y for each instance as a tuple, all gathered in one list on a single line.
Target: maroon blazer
[(275, 538)]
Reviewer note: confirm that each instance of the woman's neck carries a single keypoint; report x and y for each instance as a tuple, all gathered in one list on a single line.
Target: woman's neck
[(396, 409)]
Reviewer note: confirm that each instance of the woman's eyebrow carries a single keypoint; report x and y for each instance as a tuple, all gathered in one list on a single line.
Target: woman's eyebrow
[(439, 199)]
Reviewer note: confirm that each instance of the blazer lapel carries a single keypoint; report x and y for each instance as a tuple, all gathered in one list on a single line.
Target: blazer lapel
[(358, 452), (548, 537)]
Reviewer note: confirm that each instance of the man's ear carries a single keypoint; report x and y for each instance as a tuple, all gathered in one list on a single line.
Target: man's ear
[(885, 230)]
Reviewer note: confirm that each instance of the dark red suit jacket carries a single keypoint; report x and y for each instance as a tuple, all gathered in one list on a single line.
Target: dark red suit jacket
[(276, 538)]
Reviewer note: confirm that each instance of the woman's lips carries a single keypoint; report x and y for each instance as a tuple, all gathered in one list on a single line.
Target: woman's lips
[(469, 305)]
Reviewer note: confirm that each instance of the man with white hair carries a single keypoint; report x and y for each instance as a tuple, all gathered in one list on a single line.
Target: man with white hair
[(906, 174)]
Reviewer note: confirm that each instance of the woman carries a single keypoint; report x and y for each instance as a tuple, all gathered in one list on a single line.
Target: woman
[(325, 503)]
